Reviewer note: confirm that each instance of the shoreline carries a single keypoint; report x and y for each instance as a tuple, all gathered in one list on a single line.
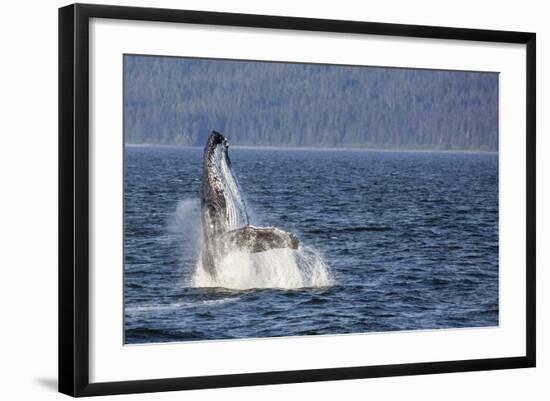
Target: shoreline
[(335, 149)]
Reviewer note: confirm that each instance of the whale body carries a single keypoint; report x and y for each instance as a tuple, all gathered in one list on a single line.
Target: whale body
[(225, 221)]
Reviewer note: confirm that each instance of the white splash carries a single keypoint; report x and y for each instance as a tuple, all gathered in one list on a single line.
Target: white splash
[(276, 268)]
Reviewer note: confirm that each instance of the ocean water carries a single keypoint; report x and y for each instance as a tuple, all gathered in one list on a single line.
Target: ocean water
[(389, 241)]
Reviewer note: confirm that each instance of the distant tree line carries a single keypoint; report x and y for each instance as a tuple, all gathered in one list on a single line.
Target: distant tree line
[(170, 100)]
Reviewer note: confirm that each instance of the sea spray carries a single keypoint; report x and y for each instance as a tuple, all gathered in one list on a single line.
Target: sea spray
[(184, 227), (276, 268)]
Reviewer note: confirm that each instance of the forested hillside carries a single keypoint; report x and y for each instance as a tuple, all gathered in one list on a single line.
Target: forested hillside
[(179, 101)]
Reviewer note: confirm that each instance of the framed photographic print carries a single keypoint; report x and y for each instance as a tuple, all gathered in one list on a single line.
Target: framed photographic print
[(250, 199)]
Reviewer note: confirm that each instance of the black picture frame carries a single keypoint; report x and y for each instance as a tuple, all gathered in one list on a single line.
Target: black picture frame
[(74, 198)]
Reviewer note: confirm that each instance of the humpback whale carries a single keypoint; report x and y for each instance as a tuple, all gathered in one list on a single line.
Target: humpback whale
[(225, 221)]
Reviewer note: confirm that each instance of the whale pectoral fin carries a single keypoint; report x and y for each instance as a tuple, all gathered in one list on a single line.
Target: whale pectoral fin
[(259, 239)]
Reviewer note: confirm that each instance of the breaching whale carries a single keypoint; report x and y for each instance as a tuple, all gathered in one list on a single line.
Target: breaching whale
[(225, 221)]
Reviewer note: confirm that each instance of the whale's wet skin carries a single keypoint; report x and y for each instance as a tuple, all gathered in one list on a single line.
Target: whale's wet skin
[(226, 227), (387, 241)]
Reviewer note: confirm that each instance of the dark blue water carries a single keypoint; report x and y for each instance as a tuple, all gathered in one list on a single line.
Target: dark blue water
[(411, 240)]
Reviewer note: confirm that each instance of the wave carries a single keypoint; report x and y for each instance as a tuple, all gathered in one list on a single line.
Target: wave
[(178, 305), (139, 334), (353, 229)]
